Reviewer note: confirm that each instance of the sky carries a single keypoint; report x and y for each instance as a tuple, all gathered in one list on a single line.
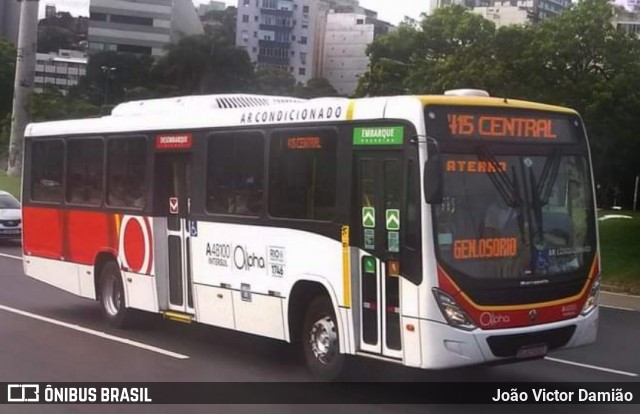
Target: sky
[(389, 10)]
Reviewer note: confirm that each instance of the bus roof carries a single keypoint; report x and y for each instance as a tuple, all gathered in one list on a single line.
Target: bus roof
[(214, 111), (493, 102)]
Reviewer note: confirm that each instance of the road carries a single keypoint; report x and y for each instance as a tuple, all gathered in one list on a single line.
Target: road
[(63, 346)]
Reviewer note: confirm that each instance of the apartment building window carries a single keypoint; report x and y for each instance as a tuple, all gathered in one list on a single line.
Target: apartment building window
[(302, 71), (245, 18), (303, 58), (256, 18), (270, 4), (141, 50), (247, 2), (98, 17), (135, 20), (245, 35), (305, 9), (360, 21), (303, 40)]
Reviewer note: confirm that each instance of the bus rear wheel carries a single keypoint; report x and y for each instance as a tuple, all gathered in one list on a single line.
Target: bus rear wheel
[(321, 341), (112, 299)]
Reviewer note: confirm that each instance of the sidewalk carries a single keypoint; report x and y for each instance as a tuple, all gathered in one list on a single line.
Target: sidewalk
[(620, 300)]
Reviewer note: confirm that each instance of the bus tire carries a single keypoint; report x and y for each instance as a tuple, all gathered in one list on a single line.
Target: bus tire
[(321, 340), (112, 299)]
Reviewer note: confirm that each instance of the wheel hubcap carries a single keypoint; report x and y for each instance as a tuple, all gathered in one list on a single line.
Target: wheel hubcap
[(324, 340), (112, 296)]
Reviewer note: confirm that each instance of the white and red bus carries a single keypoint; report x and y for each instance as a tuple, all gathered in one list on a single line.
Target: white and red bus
[(431, 231)]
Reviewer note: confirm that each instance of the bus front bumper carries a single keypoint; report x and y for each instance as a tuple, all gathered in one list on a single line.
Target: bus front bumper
[(447, 347)]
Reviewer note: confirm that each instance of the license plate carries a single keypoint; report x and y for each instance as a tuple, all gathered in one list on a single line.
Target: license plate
[(532, 351), (10, 231)]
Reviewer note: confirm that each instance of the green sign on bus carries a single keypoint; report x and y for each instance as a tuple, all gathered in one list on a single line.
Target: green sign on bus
[(378, 136)]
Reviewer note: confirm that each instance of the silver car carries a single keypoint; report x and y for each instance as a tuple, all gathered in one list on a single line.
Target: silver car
[(10, 217)]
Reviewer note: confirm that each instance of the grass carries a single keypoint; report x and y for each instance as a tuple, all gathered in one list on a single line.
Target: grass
[(620, 252), (10, 184)]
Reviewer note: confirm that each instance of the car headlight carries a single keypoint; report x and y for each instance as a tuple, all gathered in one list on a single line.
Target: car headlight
[(452, 312), (592, 300)]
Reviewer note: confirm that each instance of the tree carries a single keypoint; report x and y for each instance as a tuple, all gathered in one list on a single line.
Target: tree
[(205, 64), (52, 105), (316, 88), (390, 62), (221, 24), (61, 31), (125, 71), (271, 81), (7, 76)]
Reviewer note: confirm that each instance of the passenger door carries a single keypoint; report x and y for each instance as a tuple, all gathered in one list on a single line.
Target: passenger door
[(379, 186), (176, 179)]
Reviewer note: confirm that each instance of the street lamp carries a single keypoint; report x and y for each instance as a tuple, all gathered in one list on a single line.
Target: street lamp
[(107, 71)]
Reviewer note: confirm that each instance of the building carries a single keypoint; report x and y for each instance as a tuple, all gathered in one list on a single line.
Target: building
[(10, 20), (61, 70), (283, 34), (505, 12), (627, 19), (142, 27), (345, 58), (203, 9), (50, 11)]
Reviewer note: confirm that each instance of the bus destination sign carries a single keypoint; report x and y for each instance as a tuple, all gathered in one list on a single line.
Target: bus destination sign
[(488, 126), (505, 125)]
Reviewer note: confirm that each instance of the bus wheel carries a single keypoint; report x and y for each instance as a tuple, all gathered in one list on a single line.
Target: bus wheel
[(112, 296), (321, 342)]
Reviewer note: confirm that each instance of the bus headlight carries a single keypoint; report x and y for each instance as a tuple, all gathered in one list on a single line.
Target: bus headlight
[(452, 312), (592, 300)]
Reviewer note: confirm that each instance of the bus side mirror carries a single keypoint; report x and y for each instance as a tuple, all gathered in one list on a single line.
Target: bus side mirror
[(433, 180)]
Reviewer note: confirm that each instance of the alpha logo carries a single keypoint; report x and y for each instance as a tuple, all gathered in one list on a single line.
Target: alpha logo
[(533, 314), (493, 319), (244, 260), (136, 244)]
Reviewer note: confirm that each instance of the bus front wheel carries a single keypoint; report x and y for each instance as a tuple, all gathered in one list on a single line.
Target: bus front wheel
[(112, 296), (321, 341)]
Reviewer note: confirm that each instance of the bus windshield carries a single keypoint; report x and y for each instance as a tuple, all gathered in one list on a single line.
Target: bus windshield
[(517, 207), (542, 228)]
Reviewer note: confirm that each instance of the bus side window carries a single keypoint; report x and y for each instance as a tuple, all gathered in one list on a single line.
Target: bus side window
[(126, 171), (303, 173), (84, 171), (47, 158), (235, 174)]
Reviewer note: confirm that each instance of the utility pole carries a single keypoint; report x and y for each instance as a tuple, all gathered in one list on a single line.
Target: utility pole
[(23, 86), (635, 193)]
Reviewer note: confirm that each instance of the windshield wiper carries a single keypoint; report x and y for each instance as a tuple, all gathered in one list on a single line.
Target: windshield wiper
[(548, 177), (507, 188)]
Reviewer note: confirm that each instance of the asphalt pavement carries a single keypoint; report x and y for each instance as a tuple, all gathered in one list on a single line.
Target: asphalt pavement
[(49, 335)]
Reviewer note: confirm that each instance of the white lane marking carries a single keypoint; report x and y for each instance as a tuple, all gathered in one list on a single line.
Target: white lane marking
[(95, 333), (620, 294), (617, 307), (578, 364), (10, 256)]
